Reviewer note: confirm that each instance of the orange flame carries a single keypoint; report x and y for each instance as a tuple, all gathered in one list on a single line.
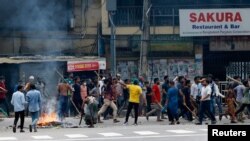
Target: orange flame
[(46, 119)]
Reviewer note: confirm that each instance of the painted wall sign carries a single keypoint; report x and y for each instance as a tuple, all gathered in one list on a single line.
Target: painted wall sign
[(214, 22)]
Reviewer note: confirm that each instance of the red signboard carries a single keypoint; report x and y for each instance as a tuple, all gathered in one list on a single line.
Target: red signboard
[(82, 66)]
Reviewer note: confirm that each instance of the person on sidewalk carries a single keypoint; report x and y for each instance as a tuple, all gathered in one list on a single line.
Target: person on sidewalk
[(156, 99), (205, 102), (34, 102), (18, 101), (3, 98)]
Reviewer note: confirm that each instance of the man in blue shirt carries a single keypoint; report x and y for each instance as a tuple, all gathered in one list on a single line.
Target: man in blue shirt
[(34, 100), (172, 104)]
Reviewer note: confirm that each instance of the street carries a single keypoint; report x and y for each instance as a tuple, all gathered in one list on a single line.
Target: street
[(145, 131)]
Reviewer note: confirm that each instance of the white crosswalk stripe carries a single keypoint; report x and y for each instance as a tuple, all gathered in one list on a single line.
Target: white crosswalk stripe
[(7, 138), (181, 131), (45, 137), (146, 133), (203, 129), (111, 134), (76, 136)]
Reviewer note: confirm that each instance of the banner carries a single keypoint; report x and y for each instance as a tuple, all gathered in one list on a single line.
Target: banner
[(102, 64), (82, 66), (214, 22)]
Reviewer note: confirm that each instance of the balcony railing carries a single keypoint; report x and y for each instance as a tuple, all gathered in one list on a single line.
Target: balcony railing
[(160, 15), (128, 16)]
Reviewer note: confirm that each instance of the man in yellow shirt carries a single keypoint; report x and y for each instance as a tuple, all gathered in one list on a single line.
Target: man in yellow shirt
[(135, 92)]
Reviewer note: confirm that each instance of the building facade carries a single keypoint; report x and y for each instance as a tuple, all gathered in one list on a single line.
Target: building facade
[(82, 28), (172, 54)]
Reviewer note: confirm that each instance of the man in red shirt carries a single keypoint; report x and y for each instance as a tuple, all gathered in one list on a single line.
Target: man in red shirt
[(156, 99), (3, 91)]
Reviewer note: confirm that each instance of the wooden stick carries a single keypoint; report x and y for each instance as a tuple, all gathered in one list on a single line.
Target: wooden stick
[(3, 89), (190, 111), (60, 75), (70, 98), (230, 78), (75, 106)]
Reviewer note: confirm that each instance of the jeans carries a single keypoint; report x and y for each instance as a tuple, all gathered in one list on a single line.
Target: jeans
[(216, 101), (4, 103), (163, 102), (34, 117), (155, 109), (119, 101), (205, 107), (100, 101), (63, 106), (212, 105), (124, 104)]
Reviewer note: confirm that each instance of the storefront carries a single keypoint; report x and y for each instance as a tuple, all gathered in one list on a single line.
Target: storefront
[(225, 39)]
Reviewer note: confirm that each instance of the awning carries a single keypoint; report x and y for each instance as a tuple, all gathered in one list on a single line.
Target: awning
[(38, 59)]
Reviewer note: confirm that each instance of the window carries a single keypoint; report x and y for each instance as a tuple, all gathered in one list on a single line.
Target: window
[(129, 3)]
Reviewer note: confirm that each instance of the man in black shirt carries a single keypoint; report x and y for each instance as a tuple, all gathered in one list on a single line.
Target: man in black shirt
[(125, 97), (76, 97), (165, 87), (187, 106), (148, 96)]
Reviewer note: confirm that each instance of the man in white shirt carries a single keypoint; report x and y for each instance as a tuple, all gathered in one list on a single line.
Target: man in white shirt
[(205, 102), (194, 88), (18, 101)]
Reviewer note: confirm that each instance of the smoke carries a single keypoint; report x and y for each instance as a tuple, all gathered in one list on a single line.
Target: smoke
[(37, 15), (45, 73)]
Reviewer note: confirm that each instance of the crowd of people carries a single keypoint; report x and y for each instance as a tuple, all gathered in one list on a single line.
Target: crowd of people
[(110, 96)]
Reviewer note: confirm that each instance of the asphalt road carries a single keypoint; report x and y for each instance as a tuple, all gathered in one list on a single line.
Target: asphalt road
[(130, 132), (145, 131)]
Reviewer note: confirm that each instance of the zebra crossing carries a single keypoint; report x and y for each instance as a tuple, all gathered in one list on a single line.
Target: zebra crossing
[(111, 134)]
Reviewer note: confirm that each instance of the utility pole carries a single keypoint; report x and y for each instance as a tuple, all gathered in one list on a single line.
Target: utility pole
[(111, 7), (145, 39), (112, 45)]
